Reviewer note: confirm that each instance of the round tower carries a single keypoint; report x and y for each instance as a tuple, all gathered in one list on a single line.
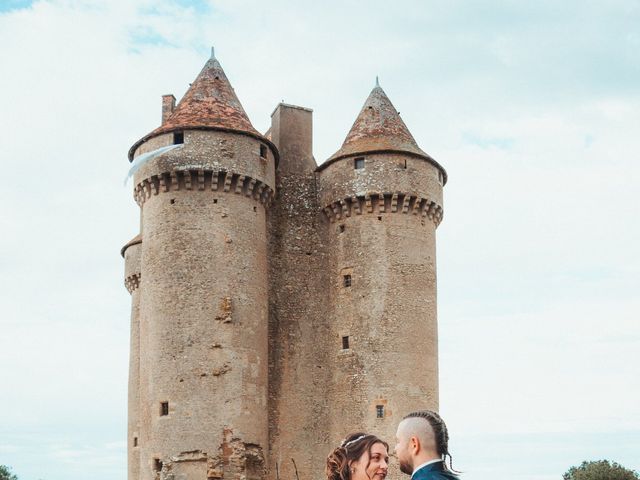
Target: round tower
[(204, 180), (382, 197), (131, 253)]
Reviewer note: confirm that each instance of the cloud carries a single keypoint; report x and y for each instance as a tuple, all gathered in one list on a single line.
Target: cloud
[(86, 457), (555, 368), (531, 108)]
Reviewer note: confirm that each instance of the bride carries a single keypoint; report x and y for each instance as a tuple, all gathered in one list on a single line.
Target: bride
[(360, 456)]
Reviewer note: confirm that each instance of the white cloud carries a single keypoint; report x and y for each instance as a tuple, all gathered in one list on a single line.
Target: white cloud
[(533, 110)]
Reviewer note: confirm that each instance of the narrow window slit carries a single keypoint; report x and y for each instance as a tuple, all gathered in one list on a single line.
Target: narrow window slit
[(346, 280), (164, 409), (379, 411), (345, 342)]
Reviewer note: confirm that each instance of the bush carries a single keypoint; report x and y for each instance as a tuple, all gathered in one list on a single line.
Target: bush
[(600, 470), (5, 473)]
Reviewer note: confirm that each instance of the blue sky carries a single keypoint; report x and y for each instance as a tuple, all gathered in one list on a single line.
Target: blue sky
[(8, 5), (532, 107)]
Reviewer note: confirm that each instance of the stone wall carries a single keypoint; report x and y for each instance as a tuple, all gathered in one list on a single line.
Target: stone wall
[(204, 307), (132, 257), (298, 374), (382, 290)]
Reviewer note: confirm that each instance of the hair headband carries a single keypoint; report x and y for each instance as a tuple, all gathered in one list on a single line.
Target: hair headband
[(345, 445)]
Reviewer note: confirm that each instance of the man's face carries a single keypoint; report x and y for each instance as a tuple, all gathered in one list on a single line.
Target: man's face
[(402, 451)]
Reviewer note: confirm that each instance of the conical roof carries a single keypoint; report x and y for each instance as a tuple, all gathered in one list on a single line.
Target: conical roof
[(379, 128), (134, 241), (209, 104)]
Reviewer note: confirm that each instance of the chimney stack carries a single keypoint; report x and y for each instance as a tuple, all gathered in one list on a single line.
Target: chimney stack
[(168, 106)]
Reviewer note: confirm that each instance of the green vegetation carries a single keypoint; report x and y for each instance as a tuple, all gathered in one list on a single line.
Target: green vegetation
[(5, 473), (600, 470)]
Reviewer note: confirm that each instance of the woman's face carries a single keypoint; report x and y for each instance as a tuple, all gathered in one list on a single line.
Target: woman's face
[(371, 465)]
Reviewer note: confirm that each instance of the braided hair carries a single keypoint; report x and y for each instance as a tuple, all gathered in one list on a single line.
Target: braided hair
[(351, 449), (441, 435)]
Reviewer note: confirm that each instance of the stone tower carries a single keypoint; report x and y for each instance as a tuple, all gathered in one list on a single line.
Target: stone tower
[(382, 196), (264, 326), (201, 307)]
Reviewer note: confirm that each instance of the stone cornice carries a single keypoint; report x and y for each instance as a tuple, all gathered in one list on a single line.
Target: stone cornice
[(387, 202), (211, 180)]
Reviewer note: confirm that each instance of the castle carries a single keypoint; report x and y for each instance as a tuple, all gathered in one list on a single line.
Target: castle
[(277, 305)]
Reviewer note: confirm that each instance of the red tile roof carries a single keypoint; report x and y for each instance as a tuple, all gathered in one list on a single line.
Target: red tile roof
[(209, 104), (379, 128)]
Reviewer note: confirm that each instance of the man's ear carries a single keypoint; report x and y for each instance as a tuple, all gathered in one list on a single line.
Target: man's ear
[(414, 445)]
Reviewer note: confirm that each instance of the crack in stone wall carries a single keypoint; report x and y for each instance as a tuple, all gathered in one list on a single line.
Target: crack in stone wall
[(235, 460)]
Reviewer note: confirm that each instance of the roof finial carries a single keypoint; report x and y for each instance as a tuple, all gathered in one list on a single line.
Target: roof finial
[(377, 82), (213, 53)]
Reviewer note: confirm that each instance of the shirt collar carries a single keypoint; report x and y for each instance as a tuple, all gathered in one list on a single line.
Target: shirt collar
[(422, 465)]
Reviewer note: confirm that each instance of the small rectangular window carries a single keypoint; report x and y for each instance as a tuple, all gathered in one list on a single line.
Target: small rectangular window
[(380, 411), (178, 138), (157, 464), (346, 280), (345, 342), (263, 151), (135, 441), (358, 163), (164, 408)]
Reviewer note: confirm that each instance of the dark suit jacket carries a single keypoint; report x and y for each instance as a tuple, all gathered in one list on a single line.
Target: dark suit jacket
[(435, 471)]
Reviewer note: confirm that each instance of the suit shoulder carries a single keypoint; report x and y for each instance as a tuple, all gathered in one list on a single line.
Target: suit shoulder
[(436, 472), (435, 475), (441, 475), (446, 476)]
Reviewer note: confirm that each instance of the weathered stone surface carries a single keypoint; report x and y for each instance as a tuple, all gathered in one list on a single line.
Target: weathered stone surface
[(298, 328), (276, 306)]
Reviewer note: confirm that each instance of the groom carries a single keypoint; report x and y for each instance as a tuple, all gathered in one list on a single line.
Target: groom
[(422, 447)]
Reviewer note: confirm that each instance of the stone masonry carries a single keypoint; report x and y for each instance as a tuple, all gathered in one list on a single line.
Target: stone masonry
[(277, 305)]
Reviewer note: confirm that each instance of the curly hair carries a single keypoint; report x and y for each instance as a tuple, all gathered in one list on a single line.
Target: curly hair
[(351, 448), (441, 435)]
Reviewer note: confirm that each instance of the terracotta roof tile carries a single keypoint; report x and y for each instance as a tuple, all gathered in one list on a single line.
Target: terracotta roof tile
[(210, 103), (379, 128)]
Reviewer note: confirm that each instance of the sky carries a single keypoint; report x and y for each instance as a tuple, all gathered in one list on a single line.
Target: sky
[(532, 107)]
